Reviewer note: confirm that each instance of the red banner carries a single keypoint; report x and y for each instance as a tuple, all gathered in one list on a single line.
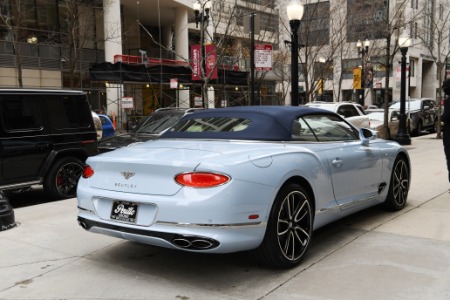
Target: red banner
[(196, 62), (210, 62)]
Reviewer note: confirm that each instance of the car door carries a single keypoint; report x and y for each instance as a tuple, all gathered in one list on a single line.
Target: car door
[(23, 142), (355, 169), (427, 110), (356, 172)]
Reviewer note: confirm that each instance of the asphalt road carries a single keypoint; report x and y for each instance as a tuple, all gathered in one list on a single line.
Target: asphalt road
[(370, 255)]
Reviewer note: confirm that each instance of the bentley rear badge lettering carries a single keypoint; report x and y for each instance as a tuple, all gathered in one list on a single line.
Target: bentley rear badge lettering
[(127, 175)]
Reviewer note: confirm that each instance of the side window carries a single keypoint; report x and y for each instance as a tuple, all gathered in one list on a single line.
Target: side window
[(301, 131), (360, 110), (71, 112), (328, 128), (20, 114), (347, 111)]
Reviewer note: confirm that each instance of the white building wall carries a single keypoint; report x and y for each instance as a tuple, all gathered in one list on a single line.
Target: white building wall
[(113, 46)]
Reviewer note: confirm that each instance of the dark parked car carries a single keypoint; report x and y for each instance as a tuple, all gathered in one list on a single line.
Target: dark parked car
[(149, 128), (45, 138), (422, 113)]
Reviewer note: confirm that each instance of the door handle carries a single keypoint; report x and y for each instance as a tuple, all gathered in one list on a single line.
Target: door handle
[(42, 146), (337, 162)]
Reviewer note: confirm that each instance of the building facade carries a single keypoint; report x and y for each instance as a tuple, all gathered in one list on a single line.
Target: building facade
[(331, 62), (147, 46)]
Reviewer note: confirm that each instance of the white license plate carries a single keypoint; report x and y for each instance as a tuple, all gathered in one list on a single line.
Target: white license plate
[(124, 211)]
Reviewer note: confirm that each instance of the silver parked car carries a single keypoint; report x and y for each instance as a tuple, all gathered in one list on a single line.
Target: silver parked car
[(376, 117), (242, 178)]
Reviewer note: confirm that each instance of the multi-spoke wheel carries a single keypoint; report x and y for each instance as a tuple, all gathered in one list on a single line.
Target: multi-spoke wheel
[(399, 185), (289, 229), (62, 179)]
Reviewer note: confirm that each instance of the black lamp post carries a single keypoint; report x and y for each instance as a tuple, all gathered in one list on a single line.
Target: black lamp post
[(202, 11), (402, 136), (295, 13), (363, 51)]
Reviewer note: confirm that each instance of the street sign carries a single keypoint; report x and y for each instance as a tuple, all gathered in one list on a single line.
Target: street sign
[(263, 57), (127, 102)]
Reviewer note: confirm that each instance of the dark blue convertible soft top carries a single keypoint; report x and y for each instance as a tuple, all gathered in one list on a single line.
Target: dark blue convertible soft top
[(271, 123)]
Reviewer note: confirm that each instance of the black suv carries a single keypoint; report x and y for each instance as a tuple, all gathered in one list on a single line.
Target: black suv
[(422, 113), (45, 138), (150, 128)]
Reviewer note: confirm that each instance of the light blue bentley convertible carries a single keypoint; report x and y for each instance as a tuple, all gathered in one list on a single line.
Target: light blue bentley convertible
[(242, 178)]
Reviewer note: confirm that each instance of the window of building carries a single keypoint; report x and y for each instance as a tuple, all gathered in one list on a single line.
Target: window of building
[(269, 22), (315, 25), (412, 67), (379, 66), (367, 19), (323, 70), (347, 67)]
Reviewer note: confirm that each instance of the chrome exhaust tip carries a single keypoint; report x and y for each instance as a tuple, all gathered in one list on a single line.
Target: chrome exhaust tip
[(83, 224), (194, 242)]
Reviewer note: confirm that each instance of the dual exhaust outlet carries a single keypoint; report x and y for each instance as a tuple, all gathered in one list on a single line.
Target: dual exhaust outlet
[(194, 243)]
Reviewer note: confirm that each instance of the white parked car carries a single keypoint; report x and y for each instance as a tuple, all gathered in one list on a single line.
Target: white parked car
[(352, 112)]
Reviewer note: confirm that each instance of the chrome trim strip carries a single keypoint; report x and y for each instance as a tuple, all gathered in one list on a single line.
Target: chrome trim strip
[(84, 209), (253, 224), (357, 203), (20, 185)]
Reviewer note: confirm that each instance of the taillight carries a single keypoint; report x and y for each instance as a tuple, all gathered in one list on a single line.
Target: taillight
[(201, 179), (87, 171)]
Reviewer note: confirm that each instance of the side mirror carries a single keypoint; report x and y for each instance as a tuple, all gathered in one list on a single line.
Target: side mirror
[(366, 135)]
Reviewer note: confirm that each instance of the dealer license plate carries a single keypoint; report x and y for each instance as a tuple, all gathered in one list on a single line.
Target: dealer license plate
[(124, 211)]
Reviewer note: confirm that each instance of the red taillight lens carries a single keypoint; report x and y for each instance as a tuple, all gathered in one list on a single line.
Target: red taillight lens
[(201, 179), (87, 171)]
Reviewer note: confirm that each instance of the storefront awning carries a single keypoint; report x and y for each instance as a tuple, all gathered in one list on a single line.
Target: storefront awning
[(160, 73)]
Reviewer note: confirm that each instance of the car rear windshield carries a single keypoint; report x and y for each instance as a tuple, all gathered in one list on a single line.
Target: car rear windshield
[(217, 124), (158, 122)]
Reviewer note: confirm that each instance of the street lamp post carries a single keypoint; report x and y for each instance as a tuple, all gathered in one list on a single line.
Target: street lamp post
[(363, 51), (322, 85), (402, 136), (202, 11), (295, 13)]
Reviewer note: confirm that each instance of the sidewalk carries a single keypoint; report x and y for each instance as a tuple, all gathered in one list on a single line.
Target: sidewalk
[(371, 255)]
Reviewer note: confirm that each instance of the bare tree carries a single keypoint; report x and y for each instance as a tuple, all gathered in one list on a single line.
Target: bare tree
[(78, 24), (11, 15), (434, 35)]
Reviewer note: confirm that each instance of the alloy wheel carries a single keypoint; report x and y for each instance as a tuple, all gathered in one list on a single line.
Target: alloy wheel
[(294, 225), (400, 182), (67, 179)]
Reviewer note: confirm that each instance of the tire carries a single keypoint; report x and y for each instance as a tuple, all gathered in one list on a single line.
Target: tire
[(434, 128), (419, 128), (398, 186), (62, 179), (289, 229)]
